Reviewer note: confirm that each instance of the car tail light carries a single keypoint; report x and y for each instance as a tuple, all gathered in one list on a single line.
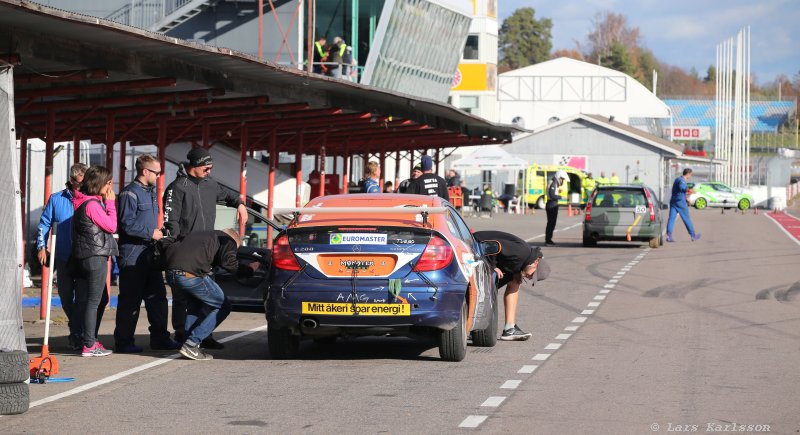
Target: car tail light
[(437, 255), (282, 255), (588, 211), (650, 205)]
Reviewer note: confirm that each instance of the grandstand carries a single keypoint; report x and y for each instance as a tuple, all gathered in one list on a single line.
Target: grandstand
[(765, 116)]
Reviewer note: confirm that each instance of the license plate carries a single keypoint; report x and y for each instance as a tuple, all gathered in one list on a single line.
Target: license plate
[(344, 309), (364, 265)]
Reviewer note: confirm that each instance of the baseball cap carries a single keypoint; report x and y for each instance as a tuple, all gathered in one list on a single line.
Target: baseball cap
[(199, 157), (417, 167)]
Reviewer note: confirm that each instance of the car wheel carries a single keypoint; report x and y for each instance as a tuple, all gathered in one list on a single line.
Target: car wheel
[(453, 342), (700, 203), (487, 337), (282, 343), (14, 398), (744, 204), (654, 242), (540, 203), (13, 367), (589, 242)]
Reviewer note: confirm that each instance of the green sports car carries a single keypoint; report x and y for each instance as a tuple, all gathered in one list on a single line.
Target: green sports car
[(716, 194)]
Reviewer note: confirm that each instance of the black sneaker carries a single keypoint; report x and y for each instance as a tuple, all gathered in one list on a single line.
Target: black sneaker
[(550, 243), (210, 343), (194, 352), (515, 334), (164, 344), (75, 342)]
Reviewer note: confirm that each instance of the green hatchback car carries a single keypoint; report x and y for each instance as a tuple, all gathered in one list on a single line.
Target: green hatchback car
[(716, 194), (624, 213)]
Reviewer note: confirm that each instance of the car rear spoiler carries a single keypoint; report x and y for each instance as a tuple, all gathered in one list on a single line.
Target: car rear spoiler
[(424, 211)]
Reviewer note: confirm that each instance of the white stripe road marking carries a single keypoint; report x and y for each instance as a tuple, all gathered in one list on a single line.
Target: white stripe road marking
[(626, 268), (494, 401), (609, 286), (593, 304), (587, 312), (579, 320), (572, 328), (511, 384), (527, 369), (473, 421), (530, 239), (553, 346), (540, 357), (599, 297), (604, 292), (132, 371), (613, 281), (563, 336)]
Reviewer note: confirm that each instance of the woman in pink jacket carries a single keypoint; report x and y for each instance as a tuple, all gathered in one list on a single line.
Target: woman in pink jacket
[(93, 224)]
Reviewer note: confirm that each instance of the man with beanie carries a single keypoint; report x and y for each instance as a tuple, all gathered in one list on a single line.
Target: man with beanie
[(429, 183), (516, 260), (190, 205)]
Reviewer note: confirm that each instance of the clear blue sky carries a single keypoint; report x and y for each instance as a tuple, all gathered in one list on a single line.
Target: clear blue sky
[(686, 32)]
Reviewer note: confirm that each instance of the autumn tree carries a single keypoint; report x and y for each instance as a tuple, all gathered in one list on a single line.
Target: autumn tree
[(523, 40), (610, 29)]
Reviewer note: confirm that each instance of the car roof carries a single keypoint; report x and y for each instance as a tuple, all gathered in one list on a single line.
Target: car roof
[(622, 186), (372, 200)]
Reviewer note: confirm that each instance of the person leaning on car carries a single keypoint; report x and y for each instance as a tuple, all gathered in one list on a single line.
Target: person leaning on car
[(515, 261), (189, 264), (190, 204)]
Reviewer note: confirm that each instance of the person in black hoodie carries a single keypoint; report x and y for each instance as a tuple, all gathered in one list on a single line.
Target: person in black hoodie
[(516, 260), (190, 204), (189, 265)]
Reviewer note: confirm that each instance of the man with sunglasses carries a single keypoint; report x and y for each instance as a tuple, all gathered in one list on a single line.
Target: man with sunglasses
[(137, 214), (190, 204)]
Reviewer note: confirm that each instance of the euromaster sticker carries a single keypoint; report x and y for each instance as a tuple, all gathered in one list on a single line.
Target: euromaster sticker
[(358, 239)]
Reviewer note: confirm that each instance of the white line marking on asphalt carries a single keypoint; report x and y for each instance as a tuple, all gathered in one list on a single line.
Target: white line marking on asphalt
[(493, 401), (540, 357), (553, 346), (563, 336), (587, 312), (473, 421), (120, 375), (511, 384), (530, 239), (604, 292), (579, 320), (599, 298), (626, 268), (613, 281), (791, 237), (572, 328), (593, 304), (609, 286), (527, 369)]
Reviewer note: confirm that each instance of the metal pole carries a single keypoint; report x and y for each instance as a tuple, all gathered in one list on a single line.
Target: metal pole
[(260, 29), (382, 158), (322, 161), (273, 163), (298, 163), (310, 31), (23, 191), (243, 148), (110, 142), (76, 149), (48, 189), (162, 159), (346, 169), (396, 169), (122, 155)]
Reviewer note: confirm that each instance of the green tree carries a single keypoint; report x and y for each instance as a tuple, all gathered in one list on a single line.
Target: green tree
[(711, 74), (647, 63), (524, 40), (619, 59)]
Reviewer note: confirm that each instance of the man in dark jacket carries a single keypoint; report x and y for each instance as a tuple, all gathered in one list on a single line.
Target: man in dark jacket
[(516, 260), (189, 264), (551, 207), (429, 183), (137, 217), (190, 204)]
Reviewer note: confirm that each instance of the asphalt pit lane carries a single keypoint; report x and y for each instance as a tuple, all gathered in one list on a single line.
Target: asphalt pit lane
[(256, 423)]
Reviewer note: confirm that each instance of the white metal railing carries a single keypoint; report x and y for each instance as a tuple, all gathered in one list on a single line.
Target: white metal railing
[(145, 13)]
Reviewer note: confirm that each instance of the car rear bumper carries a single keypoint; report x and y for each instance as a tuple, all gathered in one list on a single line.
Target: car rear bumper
[(620, 233)]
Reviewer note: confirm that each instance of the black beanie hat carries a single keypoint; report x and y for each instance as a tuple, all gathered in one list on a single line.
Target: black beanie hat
[(199, 157)]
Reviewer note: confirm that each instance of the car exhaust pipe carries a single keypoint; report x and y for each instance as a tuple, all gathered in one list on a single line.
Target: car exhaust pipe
[(309, 323)]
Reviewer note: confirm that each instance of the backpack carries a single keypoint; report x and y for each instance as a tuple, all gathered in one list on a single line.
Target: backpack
[(157, 252)]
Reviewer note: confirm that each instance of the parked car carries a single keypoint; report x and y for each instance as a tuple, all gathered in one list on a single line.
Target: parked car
[(624, 213), (716, 194), (378, 264)]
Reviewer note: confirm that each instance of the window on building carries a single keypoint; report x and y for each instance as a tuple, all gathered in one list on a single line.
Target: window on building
[(468, 104), (471, 49)]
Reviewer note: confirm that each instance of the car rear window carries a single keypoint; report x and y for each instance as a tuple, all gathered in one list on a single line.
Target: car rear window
[(619, 198)]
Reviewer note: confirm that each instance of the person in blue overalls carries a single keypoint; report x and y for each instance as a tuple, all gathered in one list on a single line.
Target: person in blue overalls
[(679, 205)]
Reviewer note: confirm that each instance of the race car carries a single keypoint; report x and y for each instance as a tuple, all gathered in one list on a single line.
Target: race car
[(380, 264), (716, 194)]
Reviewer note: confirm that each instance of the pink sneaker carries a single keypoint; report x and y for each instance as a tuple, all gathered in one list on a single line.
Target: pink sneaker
[(97, 349)]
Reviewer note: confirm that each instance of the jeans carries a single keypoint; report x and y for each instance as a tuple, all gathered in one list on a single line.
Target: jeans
[(207, 306), (552, 217), (683, 209), (137, 282), (90, 294), (66, 292)]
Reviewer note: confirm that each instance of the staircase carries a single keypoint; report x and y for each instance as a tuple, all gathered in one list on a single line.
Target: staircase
[(159, 15)]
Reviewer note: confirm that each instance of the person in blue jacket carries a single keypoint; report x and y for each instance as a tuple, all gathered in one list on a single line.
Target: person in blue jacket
[(679, 205), (59, 210)]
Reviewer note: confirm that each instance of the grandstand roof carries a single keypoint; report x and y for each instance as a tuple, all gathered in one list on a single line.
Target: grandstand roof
[(765, 116)]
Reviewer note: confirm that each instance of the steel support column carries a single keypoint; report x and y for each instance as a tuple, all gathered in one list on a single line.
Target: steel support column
[(273, 164), (23, 189), (162, 159), (243, 148), (346, 169), (298, 167), (436, 161), (76, 148), (110, 142), (122, 152), (322, 167), (382, 158), (396, 169)]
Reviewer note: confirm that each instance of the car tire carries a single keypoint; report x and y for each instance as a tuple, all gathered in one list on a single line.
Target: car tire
[(700, 203), (589, 242), (744, 204), (654, 242), (14, 398), (540, 203), (487, 337), (14, 367), (282, 343), (453, 342)]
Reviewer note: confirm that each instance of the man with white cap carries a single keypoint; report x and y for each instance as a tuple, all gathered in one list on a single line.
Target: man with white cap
[(551, 207)]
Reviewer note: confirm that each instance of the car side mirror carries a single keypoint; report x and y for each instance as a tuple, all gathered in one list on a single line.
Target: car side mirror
[(490, 247)]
